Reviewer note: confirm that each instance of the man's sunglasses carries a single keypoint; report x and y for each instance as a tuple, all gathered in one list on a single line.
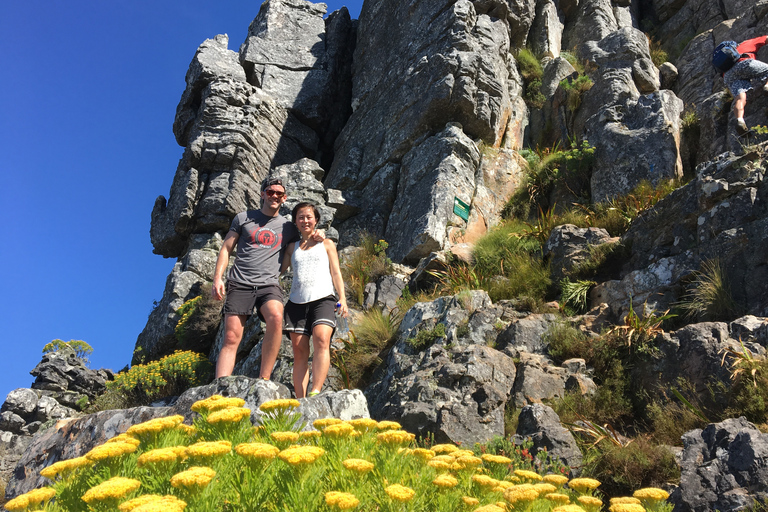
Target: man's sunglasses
[(274, 193)]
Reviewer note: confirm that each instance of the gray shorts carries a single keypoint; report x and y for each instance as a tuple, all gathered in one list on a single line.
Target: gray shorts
[(741, 77), (242, 298), (302, 318)]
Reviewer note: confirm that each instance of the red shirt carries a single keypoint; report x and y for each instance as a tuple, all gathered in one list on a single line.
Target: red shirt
[(750, 47)]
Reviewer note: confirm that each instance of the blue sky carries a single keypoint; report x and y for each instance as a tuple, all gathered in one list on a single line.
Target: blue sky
[(87, 98)]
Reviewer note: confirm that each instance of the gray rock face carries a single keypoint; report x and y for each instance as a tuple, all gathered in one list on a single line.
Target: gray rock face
[(723, 468), (384, 293), (721, 214), (524, 335), (62, 370), (439, 169), (540, 423), (568, 246)]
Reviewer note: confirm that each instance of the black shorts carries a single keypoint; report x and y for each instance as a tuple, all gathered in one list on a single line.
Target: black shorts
[(302, 318), (241, 298)]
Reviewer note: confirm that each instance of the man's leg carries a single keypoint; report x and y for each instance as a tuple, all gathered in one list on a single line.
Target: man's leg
[(233, 333), (272, 312)]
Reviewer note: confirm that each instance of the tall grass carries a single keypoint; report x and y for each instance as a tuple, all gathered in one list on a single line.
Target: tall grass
[(709, 296)]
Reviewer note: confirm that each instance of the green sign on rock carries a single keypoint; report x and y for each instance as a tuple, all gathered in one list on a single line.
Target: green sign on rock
[(460, 208)]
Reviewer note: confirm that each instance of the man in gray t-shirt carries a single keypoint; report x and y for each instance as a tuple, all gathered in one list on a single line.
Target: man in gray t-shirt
[(260, 236)]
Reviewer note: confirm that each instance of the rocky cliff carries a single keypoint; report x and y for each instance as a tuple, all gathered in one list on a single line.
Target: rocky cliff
[(387, 120)]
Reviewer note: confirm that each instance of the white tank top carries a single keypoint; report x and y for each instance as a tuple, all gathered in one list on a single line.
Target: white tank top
[(311, 274)]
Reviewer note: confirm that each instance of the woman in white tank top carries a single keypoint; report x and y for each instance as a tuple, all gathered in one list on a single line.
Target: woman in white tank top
[(310, 311)]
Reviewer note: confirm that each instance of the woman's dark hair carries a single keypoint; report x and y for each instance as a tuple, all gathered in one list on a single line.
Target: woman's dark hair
[(303, 205)]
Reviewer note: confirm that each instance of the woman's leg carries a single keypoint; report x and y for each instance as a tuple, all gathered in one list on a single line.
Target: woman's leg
[(300, 344), (321, 358)]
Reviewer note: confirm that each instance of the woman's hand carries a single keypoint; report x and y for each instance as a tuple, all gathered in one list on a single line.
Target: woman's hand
[(342, 309)]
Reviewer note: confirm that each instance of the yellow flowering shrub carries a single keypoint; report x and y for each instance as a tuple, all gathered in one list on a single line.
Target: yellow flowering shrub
[(257, 451), (165, 504), (395, 437), (490, 508), (325, 422), (229, 415), (113, 489), (194, 477), (651, 494), (556, 480), (590, 501), (626, 507), (299, 455), (544, 488), (389, 425), (358, 465), (423, 454), (155, 426), (128, 506), (445, 448), (279, 404), (445, 481), (583, 485), (338, 430), (63, 467), (110, 450), (528, 475), (30, 499), (400, 493), (469, 500), (440, 465), (568, 508), (160, 456), (364, 424), (625, 500), (205, 449), (285, 437), (341, 500), (558, 498), (496, 459)]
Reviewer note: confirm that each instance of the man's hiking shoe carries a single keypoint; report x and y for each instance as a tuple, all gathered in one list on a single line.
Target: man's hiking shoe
[(313, 393), (741, 127)]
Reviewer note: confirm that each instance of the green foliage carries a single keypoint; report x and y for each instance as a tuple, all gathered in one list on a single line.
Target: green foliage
[(532, 71), (639, 331), (185, 312), (365, 265), (748, 395), (640, 463), (573, 61), (371, 335), (169, 376), (689, 121), (81, 348), (575, 294), (574, 90), (426, 337), (522, 455), (616, 215), (82, 403), (658, 54), (709, 296)]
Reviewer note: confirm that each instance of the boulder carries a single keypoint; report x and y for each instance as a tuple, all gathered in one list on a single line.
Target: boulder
[(568, 246), (542, 425), (384, 293), (62, 370), (723, 468), (525, 334)]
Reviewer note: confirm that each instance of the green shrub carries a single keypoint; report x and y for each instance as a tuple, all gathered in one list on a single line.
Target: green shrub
[(658, 54), (81, 348), (371, 335), (709, 296), (640, 463), (169, 376), (565, 341), (426, 337), (616, 215), (748, 394), (574, 90), (532, 71), (365, 265)]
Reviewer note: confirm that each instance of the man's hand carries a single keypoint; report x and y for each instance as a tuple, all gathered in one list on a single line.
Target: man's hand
[(318, 235), (218, 289)]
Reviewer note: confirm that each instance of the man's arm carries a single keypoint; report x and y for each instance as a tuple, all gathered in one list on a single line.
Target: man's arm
[(222, 261)]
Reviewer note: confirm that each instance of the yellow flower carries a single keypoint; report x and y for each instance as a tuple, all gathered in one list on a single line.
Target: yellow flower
[(651, 494), (30, 499), (341, 500), (469, 461), (489, 508), (358, 465), (257, 451), (496, 459), (502, 485), (521, 493), (400, 493), (625, 500), (395, 437), (190, 430), (112, 489), (485, 481), (389, 425), (584, 484), (109, 450), (468, 500), (445, 481), (626, 507), (445, 448), (284, 437), (364, 424), (528, 475), (310, 434), (558, 498), (556, 480), (339, 430), (124, 438), (64, 466), (281, 404), (217, 402), (423, 453), (156, 425), (463, 453), (196, 476), (544, 488), (444, 458), (590, 501), (159, 456), (129, 505), (229, 415), (209, 449), (325, 422), (568, 508), (164, 504), (297, 455), (440, 465)]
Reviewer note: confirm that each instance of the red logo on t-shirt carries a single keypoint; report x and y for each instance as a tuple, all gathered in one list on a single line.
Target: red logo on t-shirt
[(265, 237)]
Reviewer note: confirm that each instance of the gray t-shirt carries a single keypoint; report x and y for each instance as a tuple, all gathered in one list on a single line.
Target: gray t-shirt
[(260, 247)]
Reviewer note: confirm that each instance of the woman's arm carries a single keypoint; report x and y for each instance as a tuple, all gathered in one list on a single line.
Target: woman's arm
[(338, 281)]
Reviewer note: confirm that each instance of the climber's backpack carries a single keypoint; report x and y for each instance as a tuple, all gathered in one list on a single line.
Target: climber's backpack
[(725, 56)]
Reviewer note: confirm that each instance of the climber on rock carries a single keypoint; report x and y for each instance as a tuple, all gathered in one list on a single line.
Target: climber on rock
[(741, 70)]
